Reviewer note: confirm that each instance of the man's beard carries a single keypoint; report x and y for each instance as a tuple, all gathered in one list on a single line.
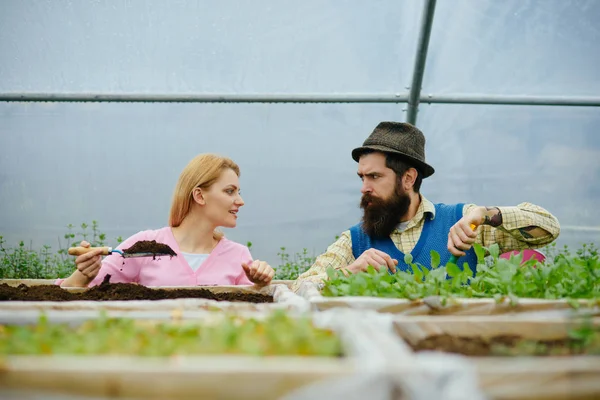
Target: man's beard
[(382, 216)]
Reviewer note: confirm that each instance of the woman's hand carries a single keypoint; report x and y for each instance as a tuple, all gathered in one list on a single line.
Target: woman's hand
[(259, 272), (88, 265)]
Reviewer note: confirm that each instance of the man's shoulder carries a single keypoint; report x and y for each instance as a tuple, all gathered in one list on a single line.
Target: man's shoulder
[(344, 239), (430, 206)]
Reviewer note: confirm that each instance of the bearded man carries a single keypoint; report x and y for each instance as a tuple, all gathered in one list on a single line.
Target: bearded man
[(399, 220)]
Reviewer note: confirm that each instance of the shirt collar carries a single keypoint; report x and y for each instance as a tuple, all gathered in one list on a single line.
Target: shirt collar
[(426, 208)]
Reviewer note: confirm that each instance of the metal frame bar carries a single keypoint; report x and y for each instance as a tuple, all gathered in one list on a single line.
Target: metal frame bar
[(208, 97), (578, 101), (420, 59)]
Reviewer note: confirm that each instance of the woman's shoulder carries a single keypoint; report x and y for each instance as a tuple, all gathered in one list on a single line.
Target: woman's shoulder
[(226, 245), (162, 235)]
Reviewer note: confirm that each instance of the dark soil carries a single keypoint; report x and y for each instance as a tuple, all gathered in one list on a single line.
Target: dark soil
[(499, 346), (150, 246), (120, 291)]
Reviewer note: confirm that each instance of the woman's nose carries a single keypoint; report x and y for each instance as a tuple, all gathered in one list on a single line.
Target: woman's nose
[(239, 201)]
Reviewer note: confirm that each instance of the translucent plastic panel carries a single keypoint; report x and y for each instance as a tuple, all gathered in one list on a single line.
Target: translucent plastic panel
[(549, 47), (504, 155), (207, 46), (118, 164)]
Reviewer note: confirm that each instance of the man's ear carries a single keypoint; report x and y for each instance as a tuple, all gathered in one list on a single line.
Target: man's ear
[(198, 196), (409, 178)]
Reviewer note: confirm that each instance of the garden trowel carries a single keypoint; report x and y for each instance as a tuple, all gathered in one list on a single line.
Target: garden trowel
[(77, 251)]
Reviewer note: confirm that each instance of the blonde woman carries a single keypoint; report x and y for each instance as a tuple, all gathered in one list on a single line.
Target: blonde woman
[(207, 196)]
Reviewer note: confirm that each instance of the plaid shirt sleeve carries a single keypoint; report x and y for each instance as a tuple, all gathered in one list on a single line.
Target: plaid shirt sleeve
[(338, 255), (510, 235)]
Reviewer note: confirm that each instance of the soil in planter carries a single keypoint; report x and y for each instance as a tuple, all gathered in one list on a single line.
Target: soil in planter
[(500, 346), (120, 291), (150, 246)]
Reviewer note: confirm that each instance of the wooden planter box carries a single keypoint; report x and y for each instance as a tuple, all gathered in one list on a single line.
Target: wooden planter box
[(283, 297), (435, 305), (515, 377), (196, 377)]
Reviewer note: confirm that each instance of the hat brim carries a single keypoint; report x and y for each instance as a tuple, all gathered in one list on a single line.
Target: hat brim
[(425, 169)]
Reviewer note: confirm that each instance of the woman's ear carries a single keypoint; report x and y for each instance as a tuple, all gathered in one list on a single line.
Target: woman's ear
[(198, 196)]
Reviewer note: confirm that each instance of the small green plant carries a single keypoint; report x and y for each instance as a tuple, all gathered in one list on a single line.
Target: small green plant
[(276, 335), (23, 262), (290, 269), (563, 276)]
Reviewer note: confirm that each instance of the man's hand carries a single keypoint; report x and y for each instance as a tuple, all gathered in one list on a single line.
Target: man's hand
[(259, 272), (375, 258), (462, 235)]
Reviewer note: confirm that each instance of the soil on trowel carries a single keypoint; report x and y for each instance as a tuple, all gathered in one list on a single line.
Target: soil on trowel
[(150, 246), (504, 345), (121, 291)]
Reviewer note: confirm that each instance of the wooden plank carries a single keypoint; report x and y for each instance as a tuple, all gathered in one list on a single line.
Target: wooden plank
[(225, 377), (414, 329), (28, 282), (537, 378)]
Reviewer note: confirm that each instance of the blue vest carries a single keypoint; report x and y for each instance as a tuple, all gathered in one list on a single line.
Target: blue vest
[(433, 237)]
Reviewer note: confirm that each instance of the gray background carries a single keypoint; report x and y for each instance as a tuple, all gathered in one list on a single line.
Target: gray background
[(117, 163)]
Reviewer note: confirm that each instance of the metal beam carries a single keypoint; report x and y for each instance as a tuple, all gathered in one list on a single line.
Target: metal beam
[(420, 59), (208, 97), (579, 101)]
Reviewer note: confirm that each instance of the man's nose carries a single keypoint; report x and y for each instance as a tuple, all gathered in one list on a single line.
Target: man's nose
[(366, 188)]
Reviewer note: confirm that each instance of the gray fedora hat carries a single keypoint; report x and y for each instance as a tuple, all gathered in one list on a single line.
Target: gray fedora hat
[(398, 138)]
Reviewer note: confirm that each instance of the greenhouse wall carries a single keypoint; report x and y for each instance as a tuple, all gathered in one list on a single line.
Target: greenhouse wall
[(117, 163)]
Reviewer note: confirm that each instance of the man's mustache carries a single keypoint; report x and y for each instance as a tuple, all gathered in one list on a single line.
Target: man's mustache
[(368, 198)]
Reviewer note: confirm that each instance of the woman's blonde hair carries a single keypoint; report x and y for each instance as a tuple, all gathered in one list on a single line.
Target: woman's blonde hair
[(201, 172)]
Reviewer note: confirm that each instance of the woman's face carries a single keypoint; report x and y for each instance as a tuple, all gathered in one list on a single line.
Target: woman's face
[(223, 200)]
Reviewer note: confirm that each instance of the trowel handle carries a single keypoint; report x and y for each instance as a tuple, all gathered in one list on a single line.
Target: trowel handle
[(77, 251), (453, 259)]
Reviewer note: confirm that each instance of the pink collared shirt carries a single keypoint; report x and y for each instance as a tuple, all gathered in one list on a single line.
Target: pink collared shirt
[(222, 267)]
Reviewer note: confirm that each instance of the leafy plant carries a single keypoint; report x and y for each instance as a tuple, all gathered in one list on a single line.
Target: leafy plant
[(290, 269), (563, 276), (278, 334), (23, 262)]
